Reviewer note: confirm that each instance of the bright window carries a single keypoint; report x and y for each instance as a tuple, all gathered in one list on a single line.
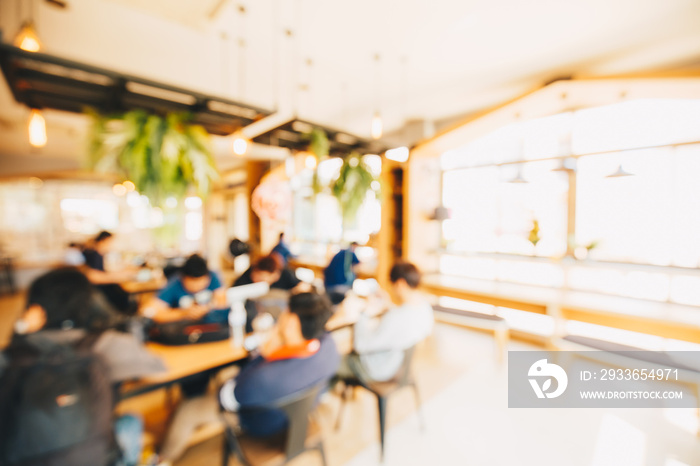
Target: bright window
[(89, 215), (652, 217), (642, 231), (489, 213)]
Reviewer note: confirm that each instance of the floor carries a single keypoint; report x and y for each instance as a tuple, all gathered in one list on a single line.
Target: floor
[(468, 422)]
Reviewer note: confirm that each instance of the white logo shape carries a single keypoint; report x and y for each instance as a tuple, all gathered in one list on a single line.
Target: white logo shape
[(542, 369)]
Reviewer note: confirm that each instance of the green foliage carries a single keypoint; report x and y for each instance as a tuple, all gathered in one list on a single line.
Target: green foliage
[(319, 146), (351, 186), (318, 143), (163, 157)]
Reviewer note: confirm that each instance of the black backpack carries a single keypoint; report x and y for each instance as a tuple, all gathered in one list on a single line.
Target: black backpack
[(188, 332), (56, 405)]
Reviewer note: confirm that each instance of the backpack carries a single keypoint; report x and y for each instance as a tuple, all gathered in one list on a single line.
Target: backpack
[(56, 403), (186, 332)]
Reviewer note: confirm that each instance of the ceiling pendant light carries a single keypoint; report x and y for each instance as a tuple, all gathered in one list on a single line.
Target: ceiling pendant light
[(37, 129), (377, 126), (27, 39), (240, 145), (619, 173), (518, 178)]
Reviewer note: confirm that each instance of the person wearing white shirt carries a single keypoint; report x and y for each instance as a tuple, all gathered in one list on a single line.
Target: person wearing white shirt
[(380, 348)]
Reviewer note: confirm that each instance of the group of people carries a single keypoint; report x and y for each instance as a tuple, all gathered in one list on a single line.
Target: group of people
[(67, 307)]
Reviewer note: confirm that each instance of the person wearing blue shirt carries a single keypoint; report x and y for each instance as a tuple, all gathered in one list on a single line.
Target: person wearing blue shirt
[(191, 295), (283, 250), (340, 271)]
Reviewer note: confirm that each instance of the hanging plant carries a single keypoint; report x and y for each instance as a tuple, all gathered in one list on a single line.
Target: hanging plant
[(162, 156), (319, 147), (350, 188)]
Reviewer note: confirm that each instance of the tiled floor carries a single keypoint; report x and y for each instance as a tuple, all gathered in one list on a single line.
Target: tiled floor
[(469, 423)]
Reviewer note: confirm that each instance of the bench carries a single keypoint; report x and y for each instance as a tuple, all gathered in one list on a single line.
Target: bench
[(478, 320)]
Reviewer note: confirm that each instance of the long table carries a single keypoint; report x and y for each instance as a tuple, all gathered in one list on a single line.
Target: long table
[(186, 360)]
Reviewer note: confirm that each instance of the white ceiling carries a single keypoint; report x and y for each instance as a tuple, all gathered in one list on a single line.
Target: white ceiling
[(439, 58)]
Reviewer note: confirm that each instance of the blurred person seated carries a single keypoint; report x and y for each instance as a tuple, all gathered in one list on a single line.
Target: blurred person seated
[(287, 280), (64, 309), (108, 281), (266, 269), (282, 249), (190, 295), (273, 270), (339, 275), (297, 355), (380, 349)]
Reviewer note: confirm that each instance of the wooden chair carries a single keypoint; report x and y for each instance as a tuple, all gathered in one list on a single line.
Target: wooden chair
[(382, 390), (303, 433)]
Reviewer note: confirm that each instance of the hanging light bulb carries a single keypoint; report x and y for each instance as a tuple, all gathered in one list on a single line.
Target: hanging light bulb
[(240, 145), (37, 129), (377, 126), (27, 38)]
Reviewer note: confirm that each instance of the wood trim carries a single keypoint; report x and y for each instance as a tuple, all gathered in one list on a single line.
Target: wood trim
[(475, 116), (483, 298), (645, 325)]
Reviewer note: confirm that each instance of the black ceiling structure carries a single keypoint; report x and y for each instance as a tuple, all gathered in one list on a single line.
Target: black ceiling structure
[(43, 81), (46, 82), (292, 135)]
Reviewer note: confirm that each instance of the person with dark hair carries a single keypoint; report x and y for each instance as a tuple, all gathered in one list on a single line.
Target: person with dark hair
[(191, 295), (287, 280), (272, 270), (267, 269), (340, 272), (107, 281), (282, 249), (297, 355), (380, 349), (63, 305), (64, 309)]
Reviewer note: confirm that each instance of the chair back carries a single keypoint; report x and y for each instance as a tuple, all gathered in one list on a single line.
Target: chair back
[(298, 407), (402, 377)]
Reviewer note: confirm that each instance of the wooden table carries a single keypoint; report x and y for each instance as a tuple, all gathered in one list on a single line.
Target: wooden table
[(146, 286), (184, 361)]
